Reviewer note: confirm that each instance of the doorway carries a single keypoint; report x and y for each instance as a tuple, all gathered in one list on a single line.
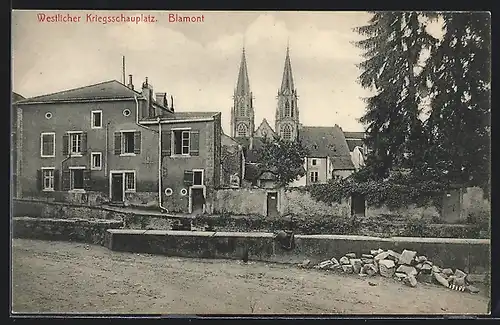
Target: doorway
[(272, 204), (117, 187), (358, 205), (197, 201)]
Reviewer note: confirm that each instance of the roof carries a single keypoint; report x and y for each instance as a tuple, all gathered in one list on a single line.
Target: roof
[(264, 129), (353, 143), (16, 97), (327, 142), (194, 115), (287, 80), (243, 85), (226, 140), (354, 135), (105, 90)]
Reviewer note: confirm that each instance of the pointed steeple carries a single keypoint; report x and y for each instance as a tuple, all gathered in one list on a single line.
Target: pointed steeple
[(243, 84), (287, 81)]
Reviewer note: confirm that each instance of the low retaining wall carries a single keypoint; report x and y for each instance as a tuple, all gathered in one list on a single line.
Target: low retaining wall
[(80, 230), (470, 255)]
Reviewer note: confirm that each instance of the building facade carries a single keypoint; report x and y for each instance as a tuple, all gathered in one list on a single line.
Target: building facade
[(101, 144)]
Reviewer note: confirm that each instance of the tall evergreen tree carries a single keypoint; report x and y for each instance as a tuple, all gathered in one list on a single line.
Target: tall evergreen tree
[(459, 74), (393, 45)]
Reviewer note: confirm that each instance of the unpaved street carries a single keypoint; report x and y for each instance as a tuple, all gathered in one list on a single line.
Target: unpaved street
[(69, 277)]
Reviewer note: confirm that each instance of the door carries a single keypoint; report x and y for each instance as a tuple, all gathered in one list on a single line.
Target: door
[(451, 206), (358, 205), (197, 201), (117, 187), (272, 204)]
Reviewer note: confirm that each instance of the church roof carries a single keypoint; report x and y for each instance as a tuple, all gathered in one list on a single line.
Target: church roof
[(243, 83), (264, 128), (105, 90), (327, 142), (287, 81)]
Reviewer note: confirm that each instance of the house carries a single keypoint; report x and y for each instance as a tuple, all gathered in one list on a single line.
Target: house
[(329, 157), (101, 144), (13, 132)]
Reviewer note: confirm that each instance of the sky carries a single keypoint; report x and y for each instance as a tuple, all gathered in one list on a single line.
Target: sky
[(198, 63)]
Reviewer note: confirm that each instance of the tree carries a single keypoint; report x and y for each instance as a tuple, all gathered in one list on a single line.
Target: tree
[(393, 47), (458, 76), (283, 158)]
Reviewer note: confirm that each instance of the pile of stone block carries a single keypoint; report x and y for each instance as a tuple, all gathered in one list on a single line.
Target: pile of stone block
[(407, 267)]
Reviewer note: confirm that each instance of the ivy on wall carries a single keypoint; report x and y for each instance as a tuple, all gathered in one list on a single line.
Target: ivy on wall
[(397, 191)]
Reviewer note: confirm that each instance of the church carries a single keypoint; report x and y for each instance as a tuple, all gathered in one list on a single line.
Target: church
[(332, 152)]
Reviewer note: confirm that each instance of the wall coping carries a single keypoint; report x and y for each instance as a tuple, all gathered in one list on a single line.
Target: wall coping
[(70, 220), (328, 237)]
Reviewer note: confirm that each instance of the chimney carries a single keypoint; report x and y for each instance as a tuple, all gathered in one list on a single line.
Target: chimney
[(172, 103), (147, 92), (250, 143), (130, 84), (161, 98)]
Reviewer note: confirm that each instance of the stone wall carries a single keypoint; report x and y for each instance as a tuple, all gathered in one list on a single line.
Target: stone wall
[(79, 230), (301, 204), (472, 256), (240, 201)]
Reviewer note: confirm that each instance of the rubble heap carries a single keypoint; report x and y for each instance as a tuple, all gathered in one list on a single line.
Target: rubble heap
[(408, 267)]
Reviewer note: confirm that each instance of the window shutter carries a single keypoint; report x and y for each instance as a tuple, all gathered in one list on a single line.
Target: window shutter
[(166, 144), (65, 144), (84, 143), (87, 180), (137, 142), (188, 177), (56, 180), (65, 180), (118, 143), (39, 180), (194, 143)]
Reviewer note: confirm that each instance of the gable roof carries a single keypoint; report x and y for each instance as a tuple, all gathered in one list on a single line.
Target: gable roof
[(226, 140), (101, 91), (264, 128), (327, 142)]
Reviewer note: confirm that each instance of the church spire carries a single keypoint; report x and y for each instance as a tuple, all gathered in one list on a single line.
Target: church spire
[(287, 81), (243, 84)]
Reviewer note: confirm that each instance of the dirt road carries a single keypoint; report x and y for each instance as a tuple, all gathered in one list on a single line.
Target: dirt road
[(69, 277)]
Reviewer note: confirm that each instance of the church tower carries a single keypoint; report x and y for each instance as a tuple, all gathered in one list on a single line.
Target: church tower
[(242, 112), (287, 111)]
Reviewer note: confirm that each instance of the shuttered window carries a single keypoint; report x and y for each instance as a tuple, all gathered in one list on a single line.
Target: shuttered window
[(47, 179), (75, 144), (166, 139), (186, 142), (128, 142), (194, 149), (188, 177)]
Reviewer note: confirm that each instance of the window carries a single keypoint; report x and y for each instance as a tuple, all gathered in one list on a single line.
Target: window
[(48, 179), (181, 139), (197, 177), (128, 142), (75, 143), (286, 131), (242, 130), (96, 119), (186, 142), (129, 181), (76, 179), (242, 110), (126, 112), (47, 144), (314, 162), (314, 177), (287, 109), (48, 115), (96, 161), (292, 109)]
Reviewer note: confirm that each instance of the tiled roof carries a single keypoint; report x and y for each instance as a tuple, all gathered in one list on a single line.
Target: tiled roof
[(354, 135), (226, 140), (105, 90), (327, 142), (353, 143)]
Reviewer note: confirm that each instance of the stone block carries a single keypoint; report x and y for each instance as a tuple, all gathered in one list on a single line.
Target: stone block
[(347, 268), (447, 272), (386, 268), (426, 269), (436, 269), (334, 261), (376, 251), (408, 270), (324, 264), (350, 255), (370, 269), (460, 273), (356, 264), (421, 259), (425, 278), (344, 260), (368, 256), (407, 257), (367, 260), (440, 279), (411, 281), (400, 276)]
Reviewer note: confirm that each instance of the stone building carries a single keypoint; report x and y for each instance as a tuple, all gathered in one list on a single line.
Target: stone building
[(101, 144)]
